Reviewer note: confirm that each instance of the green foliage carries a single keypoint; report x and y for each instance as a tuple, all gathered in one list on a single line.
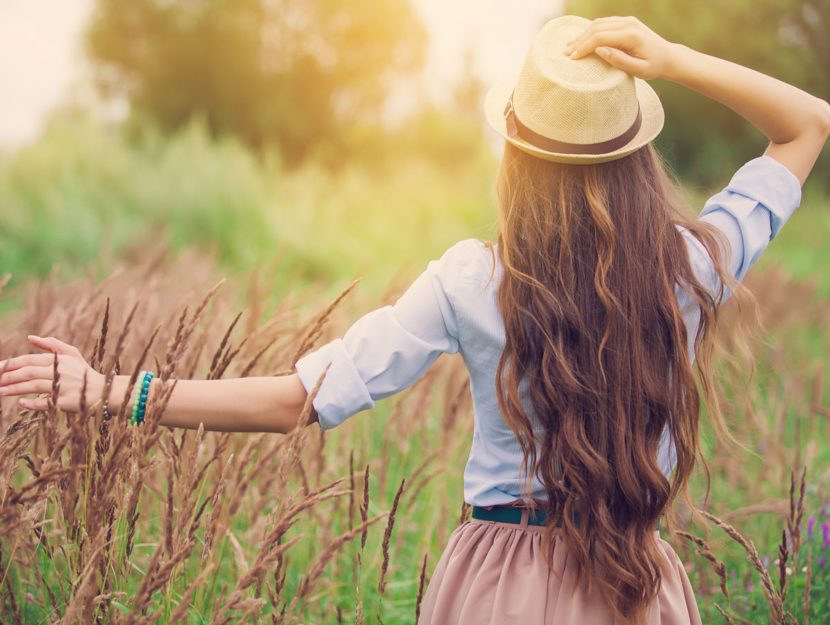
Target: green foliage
[(801, 247), (81, 194), (295, 74), (787, 39), (84, 196)]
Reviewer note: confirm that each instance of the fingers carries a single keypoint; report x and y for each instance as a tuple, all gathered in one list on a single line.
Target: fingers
[(51, 344), (586, 43), (623, 61), (27, 360), (54, 345), (41, 403), (34, 373), (30, 373), (625, 43), (26, 373), (27, 388), (601, 24)]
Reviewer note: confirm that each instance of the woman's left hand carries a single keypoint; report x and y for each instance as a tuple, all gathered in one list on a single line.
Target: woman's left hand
[(33, 374)]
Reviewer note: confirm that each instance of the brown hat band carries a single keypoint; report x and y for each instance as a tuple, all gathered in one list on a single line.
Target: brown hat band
[(517, 128)]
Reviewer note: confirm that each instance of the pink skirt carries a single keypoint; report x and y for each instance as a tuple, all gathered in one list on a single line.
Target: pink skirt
[(495, 573)]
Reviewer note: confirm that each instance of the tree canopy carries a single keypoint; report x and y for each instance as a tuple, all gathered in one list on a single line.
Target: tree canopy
[(295, 74)]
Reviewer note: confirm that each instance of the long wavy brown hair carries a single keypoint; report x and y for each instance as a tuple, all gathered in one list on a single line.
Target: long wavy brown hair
[(596, 362)]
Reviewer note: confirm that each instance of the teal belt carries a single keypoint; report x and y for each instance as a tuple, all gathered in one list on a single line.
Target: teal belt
[(510, 515), (503, 514)]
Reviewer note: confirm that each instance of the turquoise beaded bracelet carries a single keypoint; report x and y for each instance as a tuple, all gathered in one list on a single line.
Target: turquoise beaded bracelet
[(140, 401)]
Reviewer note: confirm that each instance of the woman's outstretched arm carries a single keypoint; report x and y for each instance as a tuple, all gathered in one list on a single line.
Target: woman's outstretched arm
[(384, 352), (796, 123), (257, 404)]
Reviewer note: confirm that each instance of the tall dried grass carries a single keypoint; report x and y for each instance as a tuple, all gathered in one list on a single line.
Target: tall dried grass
[(106, 523), (101, 522)]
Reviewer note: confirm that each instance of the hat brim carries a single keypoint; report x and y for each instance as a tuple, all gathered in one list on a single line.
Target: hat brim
[(650, 108)]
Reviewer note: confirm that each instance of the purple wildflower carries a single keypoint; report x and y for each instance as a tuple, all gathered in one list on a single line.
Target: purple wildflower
[(825, 533), (821, 561), (811, 525)]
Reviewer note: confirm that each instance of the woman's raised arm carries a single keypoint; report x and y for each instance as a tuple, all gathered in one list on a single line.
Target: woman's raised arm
[(796, 123)]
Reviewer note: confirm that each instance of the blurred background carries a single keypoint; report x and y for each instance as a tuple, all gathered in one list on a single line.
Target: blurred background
[(323, 139)]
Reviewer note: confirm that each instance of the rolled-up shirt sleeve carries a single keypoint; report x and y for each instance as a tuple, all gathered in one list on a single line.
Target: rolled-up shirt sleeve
[(388, 349), (751, 210)]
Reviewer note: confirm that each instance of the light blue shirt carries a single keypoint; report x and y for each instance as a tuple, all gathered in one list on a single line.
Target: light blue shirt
[(451, 308)]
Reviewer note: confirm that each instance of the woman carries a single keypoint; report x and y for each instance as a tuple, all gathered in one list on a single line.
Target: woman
[(578, 330)]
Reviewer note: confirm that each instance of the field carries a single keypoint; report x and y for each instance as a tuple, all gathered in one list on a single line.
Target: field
[(101, 522)]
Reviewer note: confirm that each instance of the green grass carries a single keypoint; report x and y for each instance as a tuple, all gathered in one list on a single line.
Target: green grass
[(802, 245)]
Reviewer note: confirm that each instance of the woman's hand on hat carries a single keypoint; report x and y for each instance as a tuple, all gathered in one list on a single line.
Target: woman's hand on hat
[(33, 373), (626, 43)]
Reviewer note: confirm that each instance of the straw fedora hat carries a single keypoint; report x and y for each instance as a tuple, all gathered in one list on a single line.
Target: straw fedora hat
[(573, 111)]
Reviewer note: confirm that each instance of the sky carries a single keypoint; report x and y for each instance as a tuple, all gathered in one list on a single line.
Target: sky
[(42, 57), (497, 32)]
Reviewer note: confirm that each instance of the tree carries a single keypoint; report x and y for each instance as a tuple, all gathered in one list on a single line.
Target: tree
[(788, 39), (290, 73)]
